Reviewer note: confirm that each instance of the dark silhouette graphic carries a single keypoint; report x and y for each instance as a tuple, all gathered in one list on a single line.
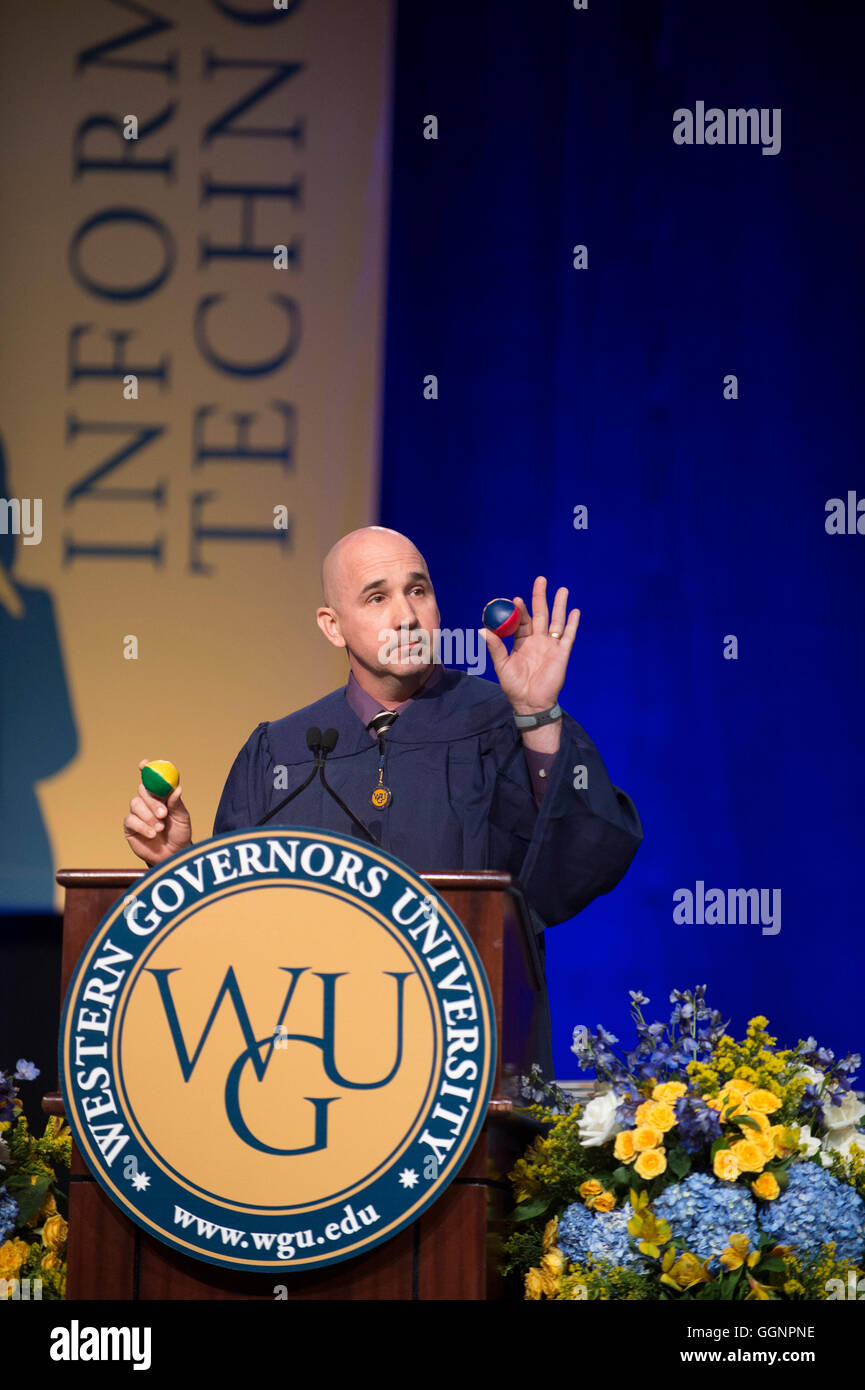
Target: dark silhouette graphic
[(37, 730)]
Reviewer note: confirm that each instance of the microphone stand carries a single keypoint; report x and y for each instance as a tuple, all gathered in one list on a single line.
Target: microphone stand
[(321, 745), (313, 743), (327, 746)]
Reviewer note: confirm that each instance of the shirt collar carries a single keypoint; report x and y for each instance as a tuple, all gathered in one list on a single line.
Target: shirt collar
[(366, 706)]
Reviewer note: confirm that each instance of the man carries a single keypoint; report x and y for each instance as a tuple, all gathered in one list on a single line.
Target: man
[(467, 775)]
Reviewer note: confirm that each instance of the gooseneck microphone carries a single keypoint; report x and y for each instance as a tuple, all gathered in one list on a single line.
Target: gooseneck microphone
[(328, 743), (321, 744), (313, 743)]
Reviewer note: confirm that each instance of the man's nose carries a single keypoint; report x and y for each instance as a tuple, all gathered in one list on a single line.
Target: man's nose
[(404, 614)]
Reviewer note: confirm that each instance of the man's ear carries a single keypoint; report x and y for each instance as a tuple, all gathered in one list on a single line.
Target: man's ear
[(329, 624)]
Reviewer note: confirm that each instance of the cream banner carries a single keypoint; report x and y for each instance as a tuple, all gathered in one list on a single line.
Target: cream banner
[(192, 258)]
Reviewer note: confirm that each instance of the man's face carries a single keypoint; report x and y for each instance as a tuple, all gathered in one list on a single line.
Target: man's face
[(384, 610)]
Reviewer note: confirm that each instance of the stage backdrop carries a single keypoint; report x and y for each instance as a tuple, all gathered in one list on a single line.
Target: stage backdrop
[(189, 418), (596, 379)]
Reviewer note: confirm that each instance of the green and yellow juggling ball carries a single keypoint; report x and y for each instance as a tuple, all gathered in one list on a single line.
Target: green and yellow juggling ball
[(160, 777)]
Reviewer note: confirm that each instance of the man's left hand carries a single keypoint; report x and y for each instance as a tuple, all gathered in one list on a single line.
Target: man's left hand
[(533, 674)]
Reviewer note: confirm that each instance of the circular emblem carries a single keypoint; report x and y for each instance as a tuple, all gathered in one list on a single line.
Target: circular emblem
[(380, 797), (278, 1051)]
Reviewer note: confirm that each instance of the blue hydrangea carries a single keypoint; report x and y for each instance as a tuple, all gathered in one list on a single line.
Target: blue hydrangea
[(815, 1208), (8, 1214), (584, 1232), (704, 1212)]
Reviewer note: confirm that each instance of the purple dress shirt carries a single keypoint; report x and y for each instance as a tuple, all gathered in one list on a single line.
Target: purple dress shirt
[(366, 707)]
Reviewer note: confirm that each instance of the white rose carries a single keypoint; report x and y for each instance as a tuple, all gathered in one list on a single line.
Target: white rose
[(807, 1141), (840, 1140), (843, 1116), (813, 1075), (597, 1124)]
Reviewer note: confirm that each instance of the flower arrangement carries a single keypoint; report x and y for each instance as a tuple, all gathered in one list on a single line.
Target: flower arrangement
[(701, 1168), (32, 1229)]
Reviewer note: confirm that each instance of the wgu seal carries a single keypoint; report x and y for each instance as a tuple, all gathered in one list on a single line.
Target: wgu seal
[(279, 1051)]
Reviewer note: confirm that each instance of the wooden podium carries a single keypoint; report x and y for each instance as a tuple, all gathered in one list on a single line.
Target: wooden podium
[(450, 1252)]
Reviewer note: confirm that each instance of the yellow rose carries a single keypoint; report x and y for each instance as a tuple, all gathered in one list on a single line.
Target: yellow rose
[(49, 1206), (554, 1262), (51, 1262), (13, 1253), (54, 1233), (551, 1233), (737, 1087), (749, 1156), (763, 1101), (766, 1187), (534, 1285), (669, 1091), (726, 1165), (760, 1119), (605, 1202), (623, 1149), (711, 1102), (784, 1140), (592, 1188), (647, 1137), (662, 1116), (642, 1115), (764, 1142), (651, 1163)]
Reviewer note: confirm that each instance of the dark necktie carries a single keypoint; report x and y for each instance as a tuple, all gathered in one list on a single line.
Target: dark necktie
[(382, 721)]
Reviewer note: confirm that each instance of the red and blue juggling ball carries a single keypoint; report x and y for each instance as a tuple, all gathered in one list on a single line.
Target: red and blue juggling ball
[(502, 617)]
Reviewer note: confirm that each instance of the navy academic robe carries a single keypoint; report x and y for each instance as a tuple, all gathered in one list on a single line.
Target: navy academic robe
[(462, 798)]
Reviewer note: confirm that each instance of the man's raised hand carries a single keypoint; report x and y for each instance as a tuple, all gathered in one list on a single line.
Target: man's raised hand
[(533, 673), (156, 829)]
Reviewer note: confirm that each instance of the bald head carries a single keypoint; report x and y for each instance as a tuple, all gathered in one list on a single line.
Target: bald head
[(355, 560), (376, 584)]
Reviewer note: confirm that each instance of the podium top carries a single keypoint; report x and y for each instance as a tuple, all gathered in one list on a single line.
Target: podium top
[(124, 878)]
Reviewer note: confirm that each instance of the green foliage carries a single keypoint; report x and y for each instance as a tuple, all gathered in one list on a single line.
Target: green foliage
[(523, 1249), (36, 1247), (599, 1281)]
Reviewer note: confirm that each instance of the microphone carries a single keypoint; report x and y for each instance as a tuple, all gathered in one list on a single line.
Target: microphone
[(320, 744), (328, 743), (314, 744)]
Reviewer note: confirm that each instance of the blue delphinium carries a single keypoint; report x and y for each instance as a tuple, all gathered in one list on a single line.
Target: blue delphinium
[(662, 1051), (815, 1208), (811, 1101), (8, 1214), (8, 1092), (699, 1125), (704, 1212), (584, 1232)]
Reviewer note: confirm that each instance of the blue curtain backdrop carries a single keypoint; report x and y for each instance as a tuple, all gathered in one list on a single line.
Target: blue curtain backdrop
[(603, 387)]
